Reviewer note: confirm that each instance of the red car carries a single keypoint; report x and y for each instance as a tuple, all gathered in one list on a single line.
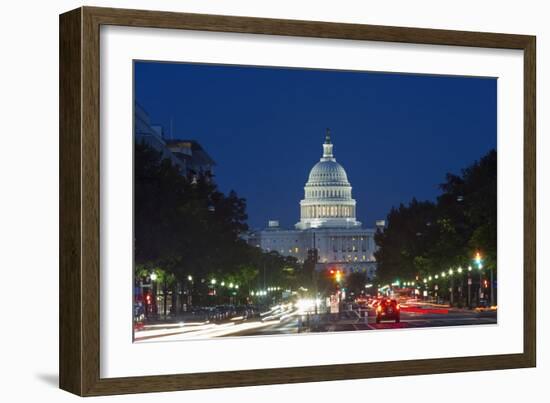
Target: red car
[(388, 309)]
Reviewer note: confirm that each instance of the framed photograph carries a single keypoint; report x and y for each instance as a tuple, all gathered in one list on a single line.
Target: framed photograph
[(249, 201)]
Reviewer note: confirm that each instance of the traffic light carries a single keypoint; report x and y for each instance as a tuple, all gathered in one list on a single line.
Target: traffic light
[(313, 255), (336, 274), (478, 260)]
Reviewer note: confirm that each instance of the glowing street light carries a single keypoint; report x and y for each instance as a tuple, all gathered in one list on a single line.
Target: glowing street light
[(153, 276), (190, 278), (479, 260), (213, 281)]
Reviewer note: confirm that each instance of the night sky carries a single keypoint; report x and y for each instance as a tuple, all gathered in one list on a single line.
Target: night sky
[(396, 135)]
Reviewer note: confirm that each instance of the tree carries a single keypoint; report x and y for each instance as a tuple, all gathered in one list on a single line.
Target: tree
[(426, 237), (356, 281), (186, 226), (404, 244)]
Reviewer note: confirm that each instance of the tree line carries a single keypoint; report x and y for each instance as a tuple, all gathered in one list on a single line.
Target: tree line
[(186, 228), (425, 237)]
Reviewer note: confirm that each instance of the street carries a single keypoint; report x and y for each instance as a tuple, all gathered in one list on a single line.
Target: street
[(295, 322)]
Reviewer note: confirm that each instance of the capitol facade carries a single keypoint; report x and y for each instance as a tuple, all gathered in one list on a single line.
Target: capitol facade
[(327, 223)]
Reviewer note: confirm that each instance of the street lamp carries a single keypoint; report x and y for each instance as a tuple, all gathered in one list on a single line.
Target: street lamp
[(478, 259), (479, 262), (153, 276), (452, 286)]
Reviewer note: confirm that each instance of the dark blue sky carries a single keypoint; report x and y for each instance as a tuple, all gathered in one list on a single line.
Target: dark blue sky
[(397, 135)]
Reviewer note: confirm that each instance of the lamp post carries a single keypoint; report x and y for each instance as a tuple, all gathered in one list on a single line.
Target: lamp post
[(188, 292), (154, 278), (479, 262), (451, 288), (461, 286), (469, 287)]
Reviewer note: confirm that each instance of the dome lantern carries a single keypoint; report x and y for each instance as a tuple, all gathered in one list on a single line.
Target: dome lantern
[(327, 148)]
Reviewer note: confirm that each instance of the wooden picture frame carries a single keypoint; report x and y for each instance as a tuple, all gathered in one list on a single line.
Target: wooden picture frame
[(79, 346)]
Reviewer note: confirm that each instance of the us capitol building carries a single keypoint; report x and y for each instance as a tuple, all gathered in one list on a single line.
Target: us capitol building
[(327, 223)]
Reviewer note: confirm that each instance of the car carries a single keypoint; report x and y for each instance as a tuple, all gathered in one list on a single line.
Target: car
[(362, 301), (388, 309)]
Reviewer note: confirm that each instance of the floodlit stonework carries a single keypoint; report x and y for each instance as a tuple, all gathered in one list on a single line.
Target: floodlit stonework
[(327, 223)]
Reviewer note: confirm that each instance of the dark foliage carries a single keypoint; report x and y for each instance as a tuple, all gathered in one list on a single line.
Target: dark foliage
[(426, 237), (186, 226)]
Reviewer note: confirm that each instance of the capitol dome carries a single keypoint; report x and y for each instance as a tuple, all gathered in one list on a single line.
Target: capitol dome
[(327, 195), (328, 173)]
